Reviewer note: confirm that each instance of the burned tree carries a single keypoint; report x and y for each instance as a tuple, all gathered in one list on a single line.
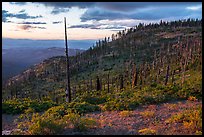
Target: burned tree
[(108, 84), (98, 84), (173, 73), (121, 82), (167, 75), (135, 76), (68, 90)]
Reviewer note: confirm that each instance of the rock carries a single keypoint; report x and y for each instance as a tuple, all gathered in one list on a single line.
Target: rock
[(107, 127), (6, 132), (131, 132)]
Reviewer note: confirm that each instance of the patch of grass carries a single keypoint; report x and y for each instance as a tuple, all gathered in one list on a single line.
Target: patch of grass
[(18, 106), (46, 126), (147, 131), (95, 100), (126, 113), (192, 98), (190, 118), (82, 107), (81, 123), (147, 114), (172, 106)]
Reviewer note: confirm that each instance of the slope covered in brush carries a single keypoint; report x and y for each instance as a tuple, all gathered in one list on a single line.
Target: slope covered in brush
[(165, 53)]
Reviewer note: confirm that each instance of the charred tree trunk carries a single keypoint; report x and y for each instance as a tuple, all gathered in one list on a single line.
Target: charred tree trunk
[(91, 85), (98, 85), (68, 92), (108, 83), (173, 77), (135, 78), (167, 75), (121, 82), (183, 72), (74, 91)]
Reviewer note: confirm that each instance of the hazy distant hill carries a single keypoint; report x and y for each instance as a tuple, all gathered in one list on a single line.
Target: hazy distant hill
[(18, 59)]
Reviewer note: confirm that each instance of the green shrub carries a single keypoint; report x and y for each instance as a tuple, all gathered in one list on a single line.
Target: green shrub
[(148, 100), (81, 123), (133, 105), (18, 106), (190, 118), (56, 112), (14, 106), (83, 107), (95, 100), (115, 105), (126, 113), (175, 88), (153, 84), (46, 126)]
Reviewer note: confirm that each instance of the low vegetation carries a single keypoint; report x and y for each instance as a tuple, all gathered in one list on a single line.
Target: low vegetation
[(139, 67)]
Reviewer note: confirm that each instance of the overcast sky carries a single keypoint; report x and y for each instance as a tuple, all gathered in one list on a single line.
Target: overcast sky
[(87, 20)]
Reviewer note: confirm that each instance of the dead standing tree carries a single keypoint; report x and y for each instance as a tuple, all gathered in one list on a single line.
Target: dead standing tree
[(167, 75), (98, 84), (68, 90), (108, 83), (121, 82), (135, 76)]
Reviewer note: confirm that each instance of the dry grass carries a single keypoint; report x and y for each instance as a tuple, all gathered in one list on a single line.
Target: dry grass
[(147, 114), (147, 131), (126, 113)]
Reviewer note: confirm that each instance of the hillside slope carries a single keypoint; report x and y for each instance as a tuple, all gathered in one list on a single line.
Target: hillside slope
[(149, 49), (145, 65)]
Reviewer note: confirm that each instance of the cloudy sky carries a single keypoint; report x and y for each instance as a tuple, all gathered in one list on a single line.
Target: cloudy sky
[(87, 20)]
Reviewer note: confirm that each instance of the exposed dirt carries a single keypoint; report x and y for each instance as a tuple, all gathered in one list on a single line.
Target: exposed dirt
[(112, 123)]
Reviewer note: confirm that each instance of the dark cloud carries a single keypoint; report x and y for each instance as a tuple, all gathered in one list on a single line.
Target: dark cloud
[(4, 19), (155, 13), (115, 6), (115, 27), (21, 11), (60, 7), (18, 3), (59, 10), (119, 10), (68, 4), (57, 22), (98, 26), (84, 26), (99, 14), (6, 14), (28, 27), (32, 23), (25, 27), (40, 27), (130, 6)]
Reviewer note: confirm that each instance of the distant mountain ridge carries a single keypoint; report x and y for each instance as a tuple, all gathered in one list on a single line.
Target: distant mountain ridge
[(17, 60)]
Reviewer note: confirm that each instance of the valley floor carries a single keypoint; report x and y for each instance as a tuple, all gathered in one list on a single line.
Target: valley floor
[(147, 119)]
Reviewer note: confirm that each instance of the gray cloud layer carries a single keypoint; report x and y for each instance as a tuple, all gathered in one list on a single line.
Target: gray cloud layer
[(97, 26), (99, 11), (28, 27), (6, 15), (122, 10), (151, 13), (59, 10), (57, 22), (68, 4), (32, 23)]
